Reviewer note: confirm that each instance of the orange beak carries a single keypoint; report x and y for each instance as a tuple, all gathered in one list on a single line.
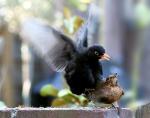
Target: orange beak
[(105, 57)]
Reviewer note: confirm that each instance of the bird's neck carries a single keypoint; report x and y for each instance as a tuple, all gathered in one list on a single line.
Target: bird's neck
[(92, 60), (86, 58)]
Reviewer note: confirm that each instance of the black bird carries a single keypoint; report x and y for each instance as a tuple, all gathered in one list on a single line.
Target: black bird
[(79, 62), (84, 71), (81, 65)]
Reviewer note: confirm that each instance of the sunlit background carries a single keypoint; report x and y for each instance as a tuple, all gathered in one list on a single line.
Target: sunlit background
[(122, 27)]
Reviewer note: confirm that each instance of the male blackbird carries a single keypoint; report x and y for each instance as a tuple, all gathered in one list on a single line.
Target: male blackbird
[(82, 67), (79, 62)]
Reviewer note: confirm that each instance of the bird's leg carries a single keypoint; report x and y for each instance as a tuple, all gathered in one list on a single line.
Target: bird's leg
[(116, 106)]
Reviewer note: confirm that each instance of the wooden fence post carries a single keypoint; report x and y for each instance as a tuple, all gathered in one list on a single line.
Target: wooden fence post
[(143, 111)]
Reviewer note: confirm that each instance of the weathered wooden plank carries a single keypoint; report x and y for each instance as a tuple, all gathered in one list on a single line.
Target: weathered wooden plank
[(143, 111), (5, 114), (64, 113)]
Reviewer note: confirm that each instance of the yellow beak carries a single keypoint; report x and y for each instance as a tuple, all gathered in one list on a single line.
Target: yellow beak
[(105, 57)]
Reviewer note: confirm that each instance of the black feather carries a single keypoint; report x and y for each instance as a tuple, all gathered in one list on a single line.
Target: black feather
[(82, 38)]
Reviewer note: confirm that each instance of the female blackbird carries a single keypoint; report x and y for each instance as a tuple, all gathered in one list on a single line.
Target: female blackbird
[(106, 92)]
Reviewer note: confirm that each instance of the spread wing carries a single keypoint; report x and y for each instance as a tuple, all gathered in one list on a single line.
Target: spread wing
[(56, 48), (82, 38), (88, 33)]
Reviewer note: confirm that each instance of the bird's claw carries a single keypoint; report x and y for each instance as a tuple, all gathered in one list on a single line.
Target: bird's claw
[(117, 108)]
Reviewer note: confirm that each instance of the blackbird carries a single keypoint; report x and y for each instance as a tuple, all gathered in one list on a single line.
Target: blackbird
[(79, 62), (107, 91), (81, 65)]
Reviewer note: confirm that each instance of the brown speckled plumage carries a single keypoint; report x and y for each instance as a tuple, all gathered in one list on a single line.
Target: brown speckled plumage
[(107, 91)]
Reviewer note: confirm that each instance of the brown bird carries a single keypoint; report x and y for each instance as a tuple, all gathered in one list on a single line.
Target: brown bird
[(107, 91)]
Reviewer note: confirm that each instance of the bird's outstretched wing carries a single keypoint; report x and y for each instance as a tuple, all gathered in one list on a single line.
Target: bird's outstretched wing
[(88, 32), (56, 48), (82, 38)]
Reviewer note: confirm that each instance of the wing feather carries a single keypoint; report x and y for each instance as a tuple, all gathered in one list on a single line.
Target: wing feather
[(56, 48), (86, 34)]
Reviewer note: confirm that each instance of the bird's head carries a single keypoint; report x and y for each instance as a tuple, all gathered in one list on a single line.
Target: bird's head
[(112, 80), (98, 52)]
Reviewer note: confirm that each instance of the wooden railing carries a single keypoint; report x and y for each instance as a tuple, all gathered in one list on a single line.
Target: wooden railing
[(64, 113)]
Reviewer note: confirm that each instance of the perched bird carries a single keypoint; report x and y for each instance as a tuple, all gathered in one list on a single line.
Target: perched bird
[(107, 91), (79, 62), (83, 72), (82, 68)]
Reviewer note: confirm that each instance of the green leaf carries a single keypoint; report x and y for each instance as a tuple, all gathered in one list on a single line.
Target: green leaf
[(59, 102), (69, 97), (83, 101), (48, 90)]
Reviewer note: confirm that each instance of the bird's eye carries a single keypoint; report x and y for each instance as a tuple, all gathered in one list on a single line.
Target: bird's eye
[(116, 82), (96, 53)]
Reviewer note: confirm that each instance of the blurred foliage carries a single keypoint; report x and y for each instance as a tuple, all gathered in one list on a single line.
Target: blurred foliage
[(71, 23), (15, 11), (142, 14), (63, 97), (48, 90), (2, 105), (80, 4)]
